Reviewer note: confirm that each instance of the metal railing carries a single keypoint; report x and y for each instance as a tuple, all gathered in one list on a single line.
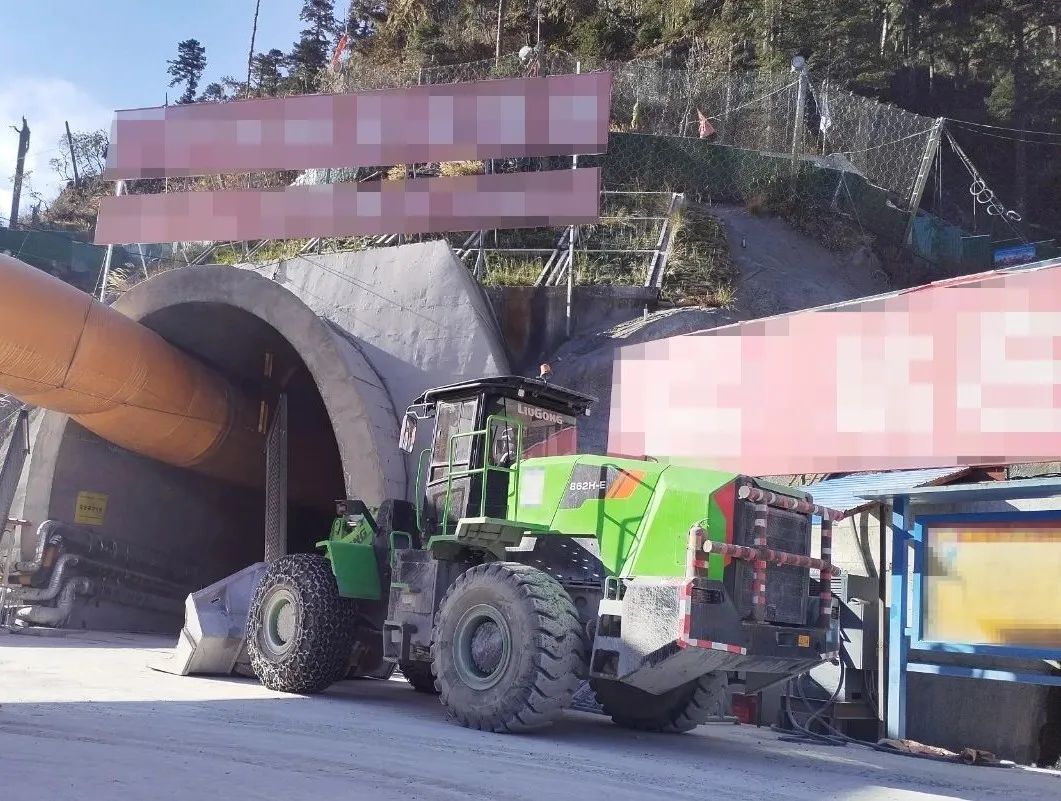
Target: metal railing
[(487, 467)]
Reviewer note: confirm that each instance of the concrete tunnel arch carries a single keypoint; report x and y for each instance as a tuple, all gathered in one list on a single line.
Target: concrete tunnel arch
[(363, 415), (369, 330), (175, 510)]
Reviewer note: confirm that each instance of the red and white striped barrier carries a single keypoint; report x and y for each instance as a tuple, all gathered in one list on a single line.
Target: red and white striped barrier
[(779, 501)]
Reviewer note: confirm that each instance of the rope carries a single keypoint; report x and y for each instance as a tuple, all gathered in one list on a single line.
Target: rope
[(885, 144), (757, 99)]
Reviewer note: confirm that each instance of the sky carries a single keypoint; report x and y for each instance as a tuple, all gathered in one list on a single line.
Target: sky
[(76, 61)]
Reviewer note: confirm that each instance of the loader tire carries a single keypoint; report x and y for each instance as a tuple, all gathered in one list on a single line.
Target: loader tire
[(300, 631), (419, 675), (675, 711), (508, 649)]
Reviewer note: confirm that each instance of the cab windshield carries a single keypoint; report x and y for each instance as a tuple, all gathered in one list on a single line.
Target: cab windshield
[(545, 433)]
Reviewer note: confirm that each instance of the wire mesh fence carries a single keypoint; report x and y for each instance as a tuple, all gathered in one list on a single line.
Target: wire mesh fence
[(755, 138), (760, 111)]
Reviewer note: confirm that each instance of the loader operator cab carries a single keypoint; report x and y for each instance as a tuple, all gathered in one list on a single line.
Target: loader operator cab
[(482, 430)]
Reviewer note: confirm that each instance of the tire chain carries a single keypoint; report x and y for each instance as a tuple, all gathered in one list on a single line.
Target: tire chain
[(324, 631)]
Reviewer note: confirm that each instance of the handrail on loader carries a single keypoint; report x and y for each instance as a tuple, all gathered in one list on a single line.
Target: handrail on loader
[(486, 468)]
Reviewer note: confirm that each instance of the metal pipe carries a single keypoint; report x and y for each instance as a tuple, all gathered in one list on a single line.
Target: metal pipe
[(54, 583), (771, 556), (778, 501), (45, 531), (181, 589), (4, 578), (54, 615), (62, 350)]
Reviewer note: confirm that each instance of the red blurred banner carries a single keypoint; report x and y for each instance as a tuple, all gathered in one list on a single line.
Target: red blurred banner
[(413, 206), (554, 115), (961, 372)]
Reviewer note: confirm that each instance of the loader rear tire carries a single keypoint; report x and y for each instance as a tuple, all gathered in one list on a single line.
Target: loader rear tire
[(300, 631), (419, 675), (508, 649), (674, 712)]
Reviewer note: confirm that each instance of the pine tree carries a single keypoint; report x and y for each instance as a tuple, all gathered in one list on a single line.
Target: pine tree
[(187, 68), (310, 53), (265, 72), (363, 19), (213, 93)]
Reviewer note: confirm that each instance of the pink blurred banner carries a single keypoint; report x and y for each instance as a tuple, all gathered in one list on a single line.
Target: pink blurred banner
[(545, 116), (414, 206), (961, 372)]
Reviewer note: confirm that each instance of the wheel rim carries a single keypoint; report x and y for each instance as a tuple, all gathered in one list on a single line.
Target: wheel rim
[(482, 647), (279, 619)]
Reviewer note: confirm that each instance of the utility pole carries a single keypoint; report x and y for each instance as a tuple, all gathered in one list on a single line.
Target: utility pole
[(119, 187), (497, 45), (20, 168), (799, 66), (571, 245), (73, 158), (254, 34)]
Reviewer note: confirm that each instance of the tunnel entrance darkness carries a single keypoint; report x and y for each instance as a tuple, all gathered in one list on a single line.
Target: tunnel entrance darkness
[(191, 524), (255, 357), (342, 438)]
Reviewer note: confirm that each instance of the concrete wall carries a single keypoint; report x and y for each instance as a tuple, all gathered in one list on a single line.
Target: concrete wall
[(534, 319), (414, 311)]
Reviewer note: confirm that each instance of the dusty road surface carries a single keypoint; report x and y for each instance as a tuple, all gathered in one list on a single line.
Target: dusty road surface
[(82, 717)]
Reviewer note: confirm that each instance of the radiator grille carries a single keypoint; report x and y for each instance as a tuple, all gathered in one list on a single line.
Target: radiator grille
[(787, 586)]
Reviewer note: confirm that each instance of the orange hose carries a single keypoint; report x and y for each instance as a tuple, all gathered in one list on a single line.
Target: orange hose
[(62, 350)]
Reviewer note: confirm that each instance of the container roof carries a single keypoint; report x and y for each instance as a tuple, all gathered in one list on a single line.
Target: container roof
[(851, 493), (1041, 487)]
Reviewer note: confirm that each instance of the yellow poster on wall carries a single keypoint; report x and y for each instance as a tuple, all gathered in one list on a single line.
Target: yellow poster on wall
[(993, 584), (90, 508)]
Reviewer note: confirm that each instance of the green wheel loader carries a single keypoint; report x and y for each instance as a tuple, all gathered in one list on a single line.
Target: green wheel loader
[(524, 568)]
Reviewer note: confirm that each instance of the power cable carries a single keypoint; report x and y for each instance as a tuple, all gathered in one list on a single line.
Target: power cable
[(804, 733), (1048, 142), (1003, 128)]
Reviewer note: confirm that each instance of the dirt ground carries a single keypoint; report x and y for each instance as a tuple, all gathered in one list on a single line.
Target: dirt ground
[(82, 717), (781, 270)]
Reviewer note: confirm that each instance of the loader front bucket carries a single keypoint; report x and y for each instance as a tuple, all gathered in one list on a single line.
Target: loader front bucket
[(215, 623)]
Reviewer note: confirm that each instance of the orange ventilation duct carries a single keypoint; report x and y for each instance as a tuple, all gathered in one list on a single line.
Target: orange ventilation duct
[(62, 350)]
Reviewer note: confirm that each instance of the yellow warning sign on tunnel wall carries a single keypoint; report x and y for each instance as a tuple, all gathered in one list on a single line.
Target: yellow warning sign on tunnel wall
[(90, 508)]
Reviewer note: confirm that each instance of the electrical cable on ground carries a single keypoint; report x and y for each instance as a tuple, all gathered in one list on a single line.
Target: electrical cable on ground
[(804, 733)]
